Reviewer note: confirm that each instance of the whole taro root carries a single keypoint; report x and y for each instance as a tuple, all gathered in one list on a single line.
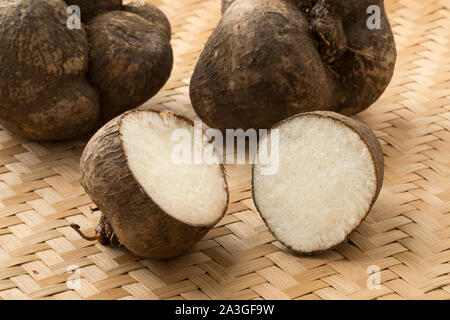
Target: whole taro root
[(59, 83), (270, 59)]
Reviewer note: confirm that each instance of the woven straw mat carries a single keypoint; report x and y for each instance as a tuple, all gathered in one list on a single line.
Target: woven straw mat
[(406, 235)]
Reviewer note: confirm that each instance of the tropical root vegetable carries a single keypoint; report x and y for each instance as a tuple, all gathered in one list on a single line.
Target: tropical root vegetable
[(152, 204), (60, 82), (128, 69), (330, 174), (270, 59)]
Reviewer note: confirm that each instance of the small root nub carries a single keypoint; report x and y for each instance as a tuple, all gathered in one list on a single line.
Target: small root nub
[(77, 229)]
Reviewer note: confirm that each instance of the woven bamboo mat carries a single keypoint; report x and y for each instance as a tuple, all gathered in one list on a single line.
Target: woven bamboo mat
[(407, 234)]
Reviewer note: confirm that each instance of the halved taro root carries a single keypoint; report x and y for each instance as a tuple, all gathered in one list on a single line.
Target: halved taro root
[(329, 175), (151, 204)]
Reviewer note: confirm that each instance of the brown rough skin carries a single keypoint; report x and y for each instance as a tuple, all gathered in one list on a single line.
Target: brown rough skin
[(58, 83), (153, 14), (43, 90), (367, 136), (92, 8), (127, 68), (226, 4), (139, 224), (270, 59)]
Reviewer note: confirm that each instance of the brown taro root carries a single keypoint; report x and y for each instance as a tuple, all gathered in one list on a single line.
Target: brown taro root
[(152, 204), (58, 83), (270, 59), (151, 13), (330, 172)]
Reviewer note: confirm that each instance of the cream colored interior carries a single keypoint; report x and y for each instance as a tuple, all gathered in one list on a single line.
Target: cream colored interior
[(192, 193), (324, 187)]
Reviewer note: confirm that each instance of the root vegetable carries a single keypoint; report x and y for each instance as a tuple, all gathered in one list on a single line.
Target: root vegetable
[(270, 59), (152, 14), (154, 206), (330, 174), (58, 83), (226, 4), (43, 90)]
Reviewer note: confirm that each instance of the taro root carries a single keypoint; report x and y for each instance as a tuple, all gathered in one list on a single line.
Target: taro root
[(151, 204), (59, 83), (44, 93), (330, 173), (151, 13), (270, 59), (128, 69)]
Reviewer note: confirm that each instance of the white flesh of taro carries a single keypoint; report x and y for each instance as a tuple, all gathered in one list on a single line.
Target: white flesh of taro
[(191, 193), (324, 188)]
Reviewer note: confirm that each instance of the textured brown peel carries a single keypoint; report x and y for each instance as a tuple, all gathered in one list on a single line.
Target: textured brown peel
[(43, 90), (130, 60), (373, 145), (58, 83), (268, 60), (139, 223)]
